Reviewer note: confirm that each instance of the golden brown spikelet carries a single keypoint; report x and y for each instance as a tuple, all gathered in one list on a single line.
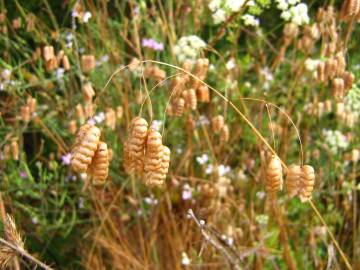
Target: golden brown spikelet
[(177, 85), (349, 9), (119, 112), (274, 178), (191, 99), (170, 110), (100, 164), (15, 150), (217, 122), (153, 158), (307, 182), (25, 113), (48, 53), (79, 111), (110, 118), (88, 91), (155, 73), (348, 78), (127, 160), (88, 63), (224, 133), (330, 68), (72, 127), (65, 62), (85, 147), (31, 102), (136, 145), (338, 88), (89, 109), (341, 63), (179, 106), (293, 180), (51, 64), (290, 31), (203, 93)]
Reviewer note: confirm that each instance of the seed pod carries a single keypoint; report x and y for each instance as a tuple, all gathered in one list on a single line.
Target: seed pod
[(110, 119), (274, 178), (157, 159), (177, 85), (203, 94), (330, 68), (338, 88), (191, 98), (25, 113), (224, 133), (136, 145), (72, 127), (307, 182), (85, 146), (348, 78), (179, 105), (88, 91), (66, 62), (51, 64), (119, 112), (100, 164), (88, 63), (341, 63), (48, 53), (80, 112), (89, 108), (293, 180), (15, 150), (217, 122)]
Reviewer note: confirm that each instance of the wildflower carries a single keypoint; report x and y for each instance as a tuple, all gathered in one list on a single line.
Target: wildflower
[(188, 47), (250, 20), (152, 44), (202, 159), (335, 140), (262, 219), (100, 117), (81, 203), (86, 17), (23, 174), (209, 169), (59, 73), (234, 5), (66, 159), (185, 259), (156, 124), (231, 64), (311, 64), (222, 169), (203, 121), (186, 192), (260, 195), (219, 16)]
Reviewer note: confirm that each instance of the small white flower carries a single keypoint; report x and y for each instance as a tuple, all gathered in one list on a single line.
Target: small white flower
[(286, 15), (214, 5), (186, 192), (231, 64), (185, 259), (234, 5), (156, 124), (250, 20), (219, 16), (202, 159), (86, 17), (222, 169), (209, 169)]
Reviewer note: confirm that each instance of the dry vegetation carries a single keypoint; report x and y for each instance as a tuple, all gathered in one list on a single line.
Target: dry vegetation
[(204, 134)]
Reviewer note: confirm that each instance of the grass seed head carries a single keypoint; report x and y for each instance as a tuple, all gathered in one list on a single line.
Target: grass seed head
[(307, 182), (274, 177), (100, 164), (217, 122)]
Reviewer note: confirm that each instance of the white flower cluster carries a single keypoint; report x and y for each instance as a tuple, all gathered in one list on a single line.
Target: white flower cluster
[(352, 101), (250, 20), (335, 140), (222, 9), (293, 11), (188, 47)]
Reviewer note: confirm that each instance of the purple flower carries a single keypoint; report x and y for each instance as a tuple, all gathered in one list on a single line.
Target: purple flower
[(23, 174), (66, 159), (152, 44)]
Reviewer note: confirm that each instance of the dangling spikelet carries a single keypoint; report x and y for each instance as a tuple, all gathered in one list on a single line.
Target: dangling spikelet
[(88, 91), (100, 164), (25, 113), (330, 68), (85, 146), (31, 102), (178, 106), (89, 108), (72, 127), (321, 72), (88, 62), (217, 122), (66, 62), (224, 133), (153, 157), (274, 178), (293, 180), (191, 98), (127, 161), (119, 112), (48, 53), (136, 145), (341, 63), (349, 9), (15, 150), (177, 85), (80, 112), (203, 94), (110, 118), (338, 88), (157, 177), (307, 183), (348, 78)]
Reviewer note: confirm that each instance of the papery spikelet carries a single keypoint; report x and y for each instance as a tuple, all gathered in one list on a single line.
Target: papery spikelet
[(51, 64), (31, 102), (191, 98), (79, 110), (100, 164), (178, 106), (72, 127), (136, 144), (15, 150), (25, 113), (110, 118), (48, 53), (177, 85), (119, 112), (85, 146), (203, 93), (89, 109), (154, 170), (293, 180), (88, 62), (307, 182), (127, 160), (217, 122), (330, 68), (338, 88), (341, 63), (274, 178), (291, 30), (88, 91), (348, 78), (349, 9), (224, 133), (65, 62)]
